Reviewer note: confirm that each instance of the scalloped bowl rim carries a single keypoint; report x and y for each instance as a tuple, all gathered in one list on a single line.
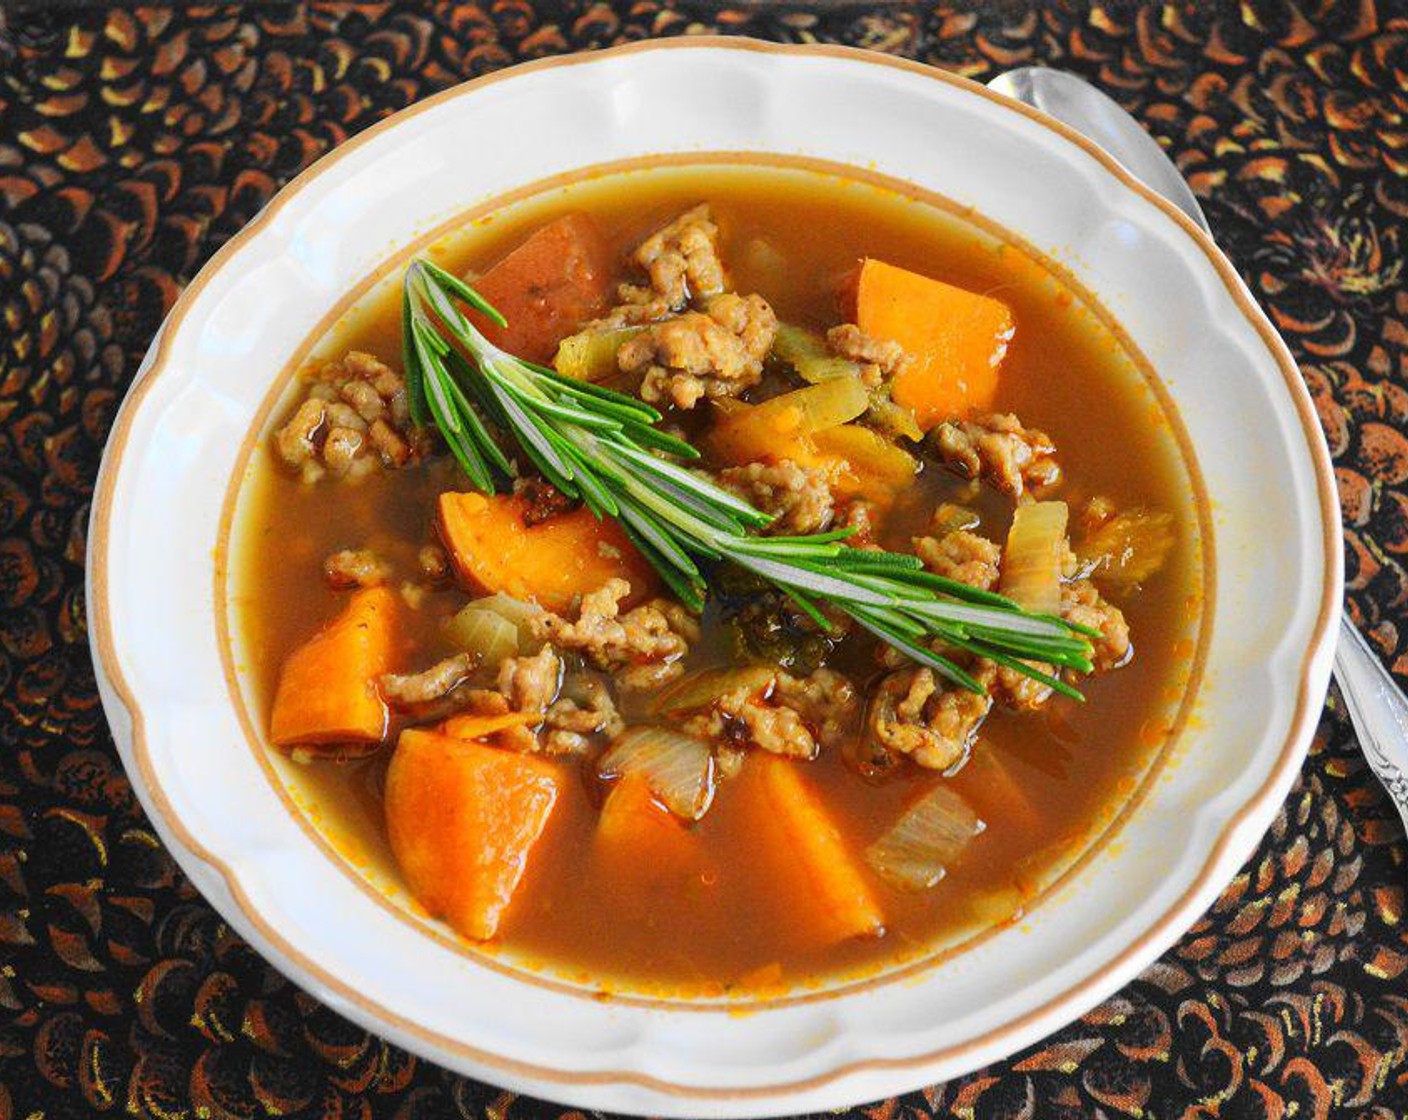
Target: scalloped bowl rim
[(157, 692)]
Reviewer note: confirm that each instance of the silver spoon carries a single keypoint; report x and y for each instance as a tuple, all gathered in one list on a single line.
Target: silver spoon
[(1377, 707)]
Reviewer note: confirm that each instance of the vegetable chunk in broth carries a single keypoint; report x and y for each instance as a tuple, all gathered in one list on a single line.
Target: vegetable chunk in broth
[(752, 579)]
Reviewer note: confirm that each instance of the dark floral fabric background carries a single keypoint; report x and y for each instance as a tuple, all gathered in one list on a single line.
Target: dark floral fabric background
[(135, 141)]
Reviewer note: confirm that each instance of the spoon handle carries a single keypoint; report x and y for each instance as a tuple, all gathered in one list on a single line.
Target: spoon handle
[(1377, 709)]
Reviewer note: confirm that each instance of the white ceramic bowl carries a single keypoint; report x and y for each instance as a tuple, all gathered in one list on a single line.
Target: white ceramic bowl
[(157, 516)]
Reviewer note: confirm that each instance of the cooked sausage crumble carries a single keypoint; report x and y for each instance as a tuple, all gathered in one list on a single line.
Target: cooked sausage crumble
[(354, 419)]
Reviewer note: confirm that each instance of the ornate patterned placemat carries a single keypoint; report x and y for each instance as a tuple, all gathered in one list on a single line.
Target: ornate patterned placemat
[(133, 142)]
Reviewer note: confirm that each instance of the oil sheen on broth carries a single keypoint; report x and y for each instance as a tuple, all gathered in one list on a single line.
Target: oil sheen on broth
[(730, 928)]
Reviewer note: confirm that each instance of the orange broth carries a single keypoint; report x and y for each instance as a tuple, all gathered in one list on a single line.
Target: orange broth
[(717, 923)]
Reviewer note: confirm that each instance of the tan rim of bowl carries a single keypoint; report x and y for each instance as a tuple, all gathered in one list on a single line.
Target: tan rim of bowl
[(1164, 929)]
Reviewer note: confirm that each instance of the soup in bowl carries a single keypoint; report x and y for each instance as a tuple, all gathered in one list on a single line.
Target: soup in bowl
[(568, 748), (798, 615)]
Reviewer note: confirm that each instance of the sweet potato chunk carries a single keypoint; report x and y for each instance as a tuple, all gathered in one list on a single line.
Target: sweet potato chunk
[(327, 688), (956, 338), (463, 818), (549, 563), (749, 433), (548, 285), (989, 782), (643, 847), (809, 842), (867, 465), (633, 821)]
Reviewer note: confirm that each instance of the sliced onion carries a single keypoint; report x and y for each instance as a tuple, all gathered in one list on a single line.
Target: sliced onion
[(1129, 548), (874, 466), (918, 849), (483, 632), (700, 689), (1031, 563), (761, 267), (678, 768), (516, 611)]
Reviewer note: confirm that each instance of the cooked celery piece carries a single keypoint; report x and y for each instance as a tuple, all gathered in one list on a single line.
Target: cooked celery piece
[(807, 353), (591, 355), (889, 416)]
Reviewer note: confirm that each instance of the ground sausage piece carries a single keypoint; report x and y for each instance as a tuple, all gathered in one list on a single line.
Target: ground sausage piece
[(411, 690), (682, 263), (1014, 689), (962, 556), (585, 710), (524, 684), (824, 698), (742, 718), (799, 500), (354, 419), (343, 415), (640, 308), (530, 684), (715, 353), (911, 715), (879, 359), (749, 318), (1082, 603), (342, 452), (434, 564), (861, 516), (649, 675), (393, 448), (644, 645), (682, 258), (997, 448), (778, 730), (296, 440), (795, 718), (356, 567), (365, 400)]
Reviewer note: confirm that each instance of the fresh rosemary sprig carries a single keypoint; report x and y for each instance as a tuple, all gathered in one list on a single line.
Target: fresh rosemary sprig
[(603, 448)]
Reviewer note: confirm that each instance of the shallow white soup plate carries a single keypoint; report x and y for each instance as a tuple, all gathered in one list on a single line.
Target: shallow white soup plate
[(1273, 598)]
